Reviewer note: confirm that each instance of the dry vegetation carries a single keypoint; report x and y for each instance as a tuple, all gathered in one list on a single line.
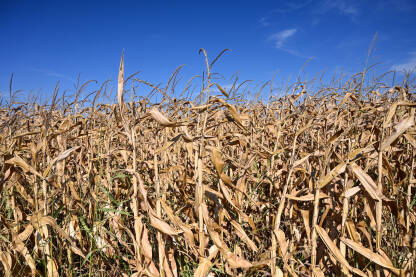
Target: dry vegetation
[(311, 183)]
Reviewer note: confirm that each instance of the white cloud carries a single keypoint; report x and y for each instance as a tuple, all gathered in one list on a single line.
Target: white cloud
[(399, 5), (264, 21), (297, 54), (281, 37), (293, 6), (341, 5), (408, 65), (53, 74)]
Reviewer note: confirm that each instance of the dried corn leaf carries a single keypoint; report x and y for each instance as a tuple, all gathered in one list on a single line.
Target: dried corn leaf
[(304, 128), (307, 197), (25, 234), (166, 268), (300, 161), (330, 245), (340, 168), (6, 261), (368, 183), (392, 110), (38, 221), (172, 262), (163, 226), (352, 231), (188, 234), (233, 111), (203, 268), (146, 246), (17, 161), (401, 127), (345, 99), (162, 119), (217, 160), (281, 238), (22, 249), (237, 262), (410, 139), (60, 157), (351, 192), (335, 136), (306, 216), (222, 90), (243, 236), (374, 257), (120, 84)]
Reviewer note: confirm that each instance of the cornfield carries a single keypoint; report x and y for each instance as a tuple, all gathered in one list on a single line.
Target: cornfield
[(304, 184)]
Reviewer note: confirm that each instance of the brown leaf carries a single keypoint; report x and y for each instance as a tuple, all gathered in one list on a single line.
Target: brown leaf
[(146, 246), (280, 235), (410, 139), (303, 129), (173, 266), (305, 216), (307, 197), (300, 161), (120, 84), (340, 168), (163, 226), (222, 90), (368, 183), (162, 119), (237, 262), (6, 261), (351, 192), (60, 157), (38, 221), (234, 113), (392, 110), (374, 257), (401, 127), (188, 234), (217, 160), (22, 249), (330, 245), (243, 236), (203, 268), (17, 161), (166, 267), (335, 136)]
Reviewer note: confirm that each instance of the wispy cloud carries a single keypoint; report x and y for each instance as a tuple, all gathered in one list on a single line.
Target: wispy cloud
[(53, 74), (281, 37), (285, 8), (297, 53), (342, 6), (264, 21), (291, 6), (399, 5), (408, 65)]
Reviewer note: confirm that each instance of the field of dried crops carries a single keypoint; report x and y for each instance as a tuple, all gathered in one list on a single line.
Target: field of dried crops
[(310, 183)]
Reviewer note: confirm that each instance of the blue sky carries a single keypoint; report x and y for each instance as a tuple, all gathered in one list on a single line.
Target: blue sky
[(48, 41)]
